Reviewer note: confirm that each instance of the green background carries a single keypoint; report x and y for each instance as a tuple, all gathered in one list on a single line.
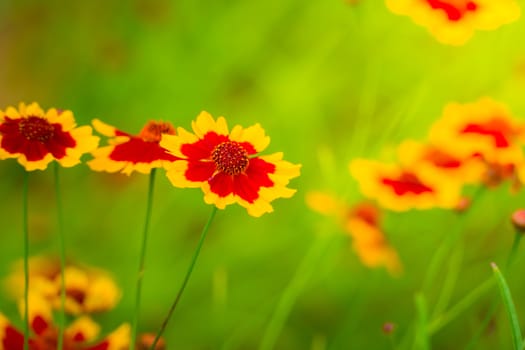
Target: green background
[(329, 81)]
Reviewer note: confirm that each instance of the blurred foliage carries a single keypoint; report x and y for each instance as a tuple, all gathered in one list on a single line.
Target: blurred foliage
[(329, 81)]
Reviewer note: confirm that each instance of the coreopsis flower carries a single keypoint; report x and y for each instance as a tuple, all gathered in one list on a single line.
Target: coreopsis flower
[(484, 129), (362, 223), (81, 334), (127, 153), (36, 138), (88, 290), (226, 165), (454, 22), (398, 188), (431, 158)]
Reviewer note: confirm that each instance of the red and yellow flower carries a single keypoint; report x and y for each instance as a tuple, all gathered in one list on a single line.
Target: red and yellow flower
[(226, 165), (79, 335), (88, 290), (36, 138), (455, 21), (128, 153), (363, 223), (484, 128), (398, 188)]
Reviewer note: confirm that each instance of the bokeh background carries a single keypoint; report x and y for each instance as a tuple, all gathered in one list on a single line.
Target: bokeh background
[(329, 81)]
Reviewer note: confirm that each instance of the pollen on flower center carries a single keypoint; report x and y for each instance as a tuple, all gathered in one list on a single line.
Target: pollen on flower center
[(152, 131), (230, 157), (36, 129)]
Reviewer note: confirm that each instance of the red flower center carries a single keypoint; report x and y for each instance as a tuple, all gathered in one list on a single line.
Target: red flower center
[(152, 131), (407, 183), (230, 157), (454, 9), (497, 128), (36, 129)]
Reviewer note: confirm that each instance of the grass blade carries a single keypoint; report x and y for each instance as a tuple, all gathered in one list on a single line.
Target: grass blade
[(509, 307)]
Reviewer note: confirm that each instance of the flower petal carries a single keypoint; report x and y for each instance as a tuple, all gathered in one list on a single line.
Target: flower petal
[(253, 139), (205, 124)]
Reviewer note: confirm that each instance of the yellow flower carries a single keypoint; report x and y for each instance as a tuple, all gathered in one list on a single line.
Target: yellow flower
[(128, 153), (36, 138), (226, 165), (483, 128), (399, 189), (87, 290), (454, 22)]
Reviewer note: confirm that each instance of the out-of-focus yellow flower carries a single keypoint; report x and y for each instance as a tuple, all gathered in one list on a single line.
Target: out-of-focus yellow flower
[(398, 188), (362, 224), (454, 22), (81, 334), (88, 290), (483, 128)]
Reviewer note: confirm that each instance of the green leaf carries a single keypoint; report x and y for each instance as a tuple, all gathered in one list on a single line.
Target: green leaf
[(509, 307)]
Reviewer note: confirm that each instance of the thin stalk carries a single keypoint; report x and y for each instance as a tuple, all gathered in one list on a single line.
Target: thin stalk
[(142, 259), (62, 253), (186, 279), (25, 226)]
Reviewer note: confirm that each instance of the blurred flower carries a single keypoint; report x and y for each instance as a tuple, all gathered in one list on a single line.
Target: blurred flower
[(362, 223), (87, 290), (128, 153), (36, 138), (454, 22), (79, 335), (483, 128), (398, 188), (428, 157), (225, 165)]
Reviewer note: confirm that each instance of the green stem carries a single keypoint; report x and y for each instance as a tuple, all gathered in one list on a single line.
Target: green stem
[(186, 278), (26, 258), (142, 259), (62, 250), (291, 293), (422, 340)]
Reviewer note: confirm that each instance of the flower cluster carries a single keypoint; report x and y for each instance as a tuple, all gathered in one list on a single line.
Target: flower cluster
[(454, 22), (472, 143), (88, 290), (225, 165)]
